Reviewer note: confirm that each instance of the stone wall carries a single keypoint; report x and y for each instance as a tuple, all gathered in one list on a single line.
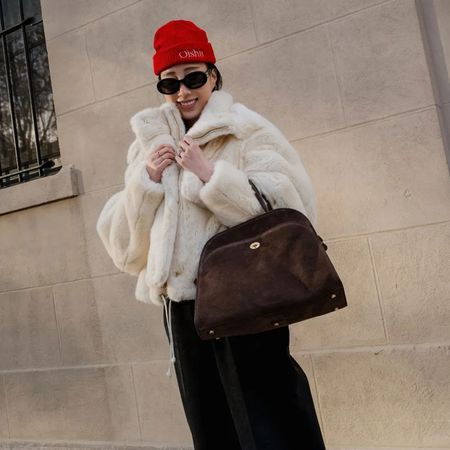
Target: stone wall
[(354, 85)]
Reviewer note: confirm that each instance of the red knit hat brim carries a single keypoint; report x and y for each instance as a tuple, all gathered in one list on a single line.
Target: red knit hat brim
[(183, 53)]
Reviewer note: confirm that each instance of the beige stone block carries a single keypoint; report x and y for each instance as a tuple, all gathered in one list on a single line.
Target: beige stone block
[(100, 321), (70, 71), (28, 331), (79, 324), (81, 404), (42, 246), (133, 330), (91, 205), (63, 15), (391, 397), (4, 430), (413, 268), (387, 175), (380, 62), (291, 82), (96, 138), (159, 403), (274, 20), (121, 45), (361, 322)]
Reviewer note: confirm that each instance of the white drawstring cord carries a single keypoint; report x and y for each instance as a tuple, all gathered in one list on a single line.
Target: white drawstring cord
[(169, 328)]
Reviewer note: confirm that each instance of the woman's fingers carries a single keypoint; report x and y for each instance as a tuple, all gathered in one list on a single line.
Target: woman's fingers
[(159, 156), (183, 145), (163, 154), (164, 164), (161, 147), (164, 158), (162, 151)]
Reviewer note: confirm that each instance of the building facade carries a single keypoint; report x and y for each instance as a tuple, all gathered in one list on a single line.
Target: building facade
[(361, 89)]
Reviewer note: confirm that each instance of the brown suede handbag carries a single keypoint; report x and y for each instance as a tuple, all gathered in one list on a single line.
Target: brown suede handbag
[(270, 271)]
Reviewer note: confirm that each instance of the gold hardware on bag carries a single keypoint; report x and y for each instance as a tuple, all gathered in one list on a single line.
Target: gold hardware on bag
[(333, 296), (276, 324), (254, 245), (211, 332)]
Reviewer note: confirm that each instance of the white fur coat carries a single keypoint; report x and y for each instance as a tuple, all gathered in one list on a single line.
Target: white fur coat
[(156, 231)]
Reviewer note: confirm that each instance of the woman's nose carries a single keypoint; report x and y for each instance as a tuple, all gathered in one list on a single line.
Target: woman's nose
[(183, 90)]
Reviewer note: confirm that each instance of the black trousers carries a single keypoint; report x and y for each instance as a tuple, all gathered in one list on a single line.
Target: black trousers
[(244, 392)]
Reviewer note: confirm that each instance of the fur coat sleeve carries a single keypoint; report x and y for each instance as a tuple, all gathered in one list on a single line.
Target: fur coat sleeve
[(275, 167), (126, 219)]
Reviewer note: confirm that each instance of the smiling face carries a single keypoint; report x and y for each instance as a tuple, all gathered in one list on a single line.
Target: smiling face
[(190, 102)]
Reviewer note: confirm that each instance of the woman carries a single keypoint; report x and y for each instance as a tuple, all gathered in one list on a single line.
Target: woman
[(186, 180)]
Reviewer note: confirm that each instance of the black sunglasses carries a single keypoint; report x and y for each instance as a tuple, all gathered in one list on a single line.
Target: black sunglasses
[(193, 80)]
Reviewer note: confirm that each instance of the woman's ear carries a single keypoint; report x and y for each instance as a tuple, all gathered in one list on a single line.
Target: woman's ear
[(214, 78)]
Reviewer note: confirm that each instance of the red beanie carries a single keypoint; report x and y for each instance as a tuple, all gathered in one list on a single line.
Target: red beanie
[(180, 41)]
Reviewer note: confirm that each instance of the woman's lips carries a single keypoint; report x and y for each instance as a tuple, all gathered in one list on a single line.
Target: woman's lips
[(187, 105)]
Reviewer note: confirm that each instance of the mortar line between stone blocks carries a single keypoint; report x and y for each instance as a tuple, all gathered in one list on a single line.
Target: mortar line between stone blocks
[(105, 99), (6, 404), (380, 232), (83, 444), (378, 288), (61, 283), (316, 385), (57, 327), (401, 114), (136, 401), (104, 188), (374, 349), (85, 25), (84, 367)]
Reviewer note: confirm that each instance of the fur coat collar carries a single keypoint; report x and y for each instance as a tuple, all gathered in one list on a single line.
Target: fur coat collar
[(220, 116)]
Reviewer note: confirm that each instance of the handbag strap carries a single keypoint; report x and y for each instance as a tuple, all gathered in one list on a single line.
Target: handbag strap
[(261, 198), (268, 207)]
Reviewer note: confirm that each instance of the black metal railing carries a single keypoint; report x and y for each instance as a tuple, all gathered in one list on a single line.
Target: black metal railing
[(28, 141)]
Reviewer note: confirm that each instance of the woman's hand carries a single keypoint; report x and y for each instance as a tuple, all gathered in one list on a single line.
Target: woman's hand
[(159, 159), (191, 158)]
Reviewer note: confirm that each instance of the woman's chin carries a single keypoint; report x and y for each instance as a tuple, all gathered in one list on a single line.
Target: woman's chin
[(190, 116)]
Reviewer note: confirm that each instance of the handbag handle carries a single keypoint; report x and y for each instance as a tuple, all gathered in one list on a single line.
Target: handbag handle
[(266, 206)]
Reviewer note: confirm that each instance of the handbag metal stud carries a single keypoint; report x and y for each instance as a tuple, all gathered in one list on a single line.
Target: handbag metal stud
[(254, 245)]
